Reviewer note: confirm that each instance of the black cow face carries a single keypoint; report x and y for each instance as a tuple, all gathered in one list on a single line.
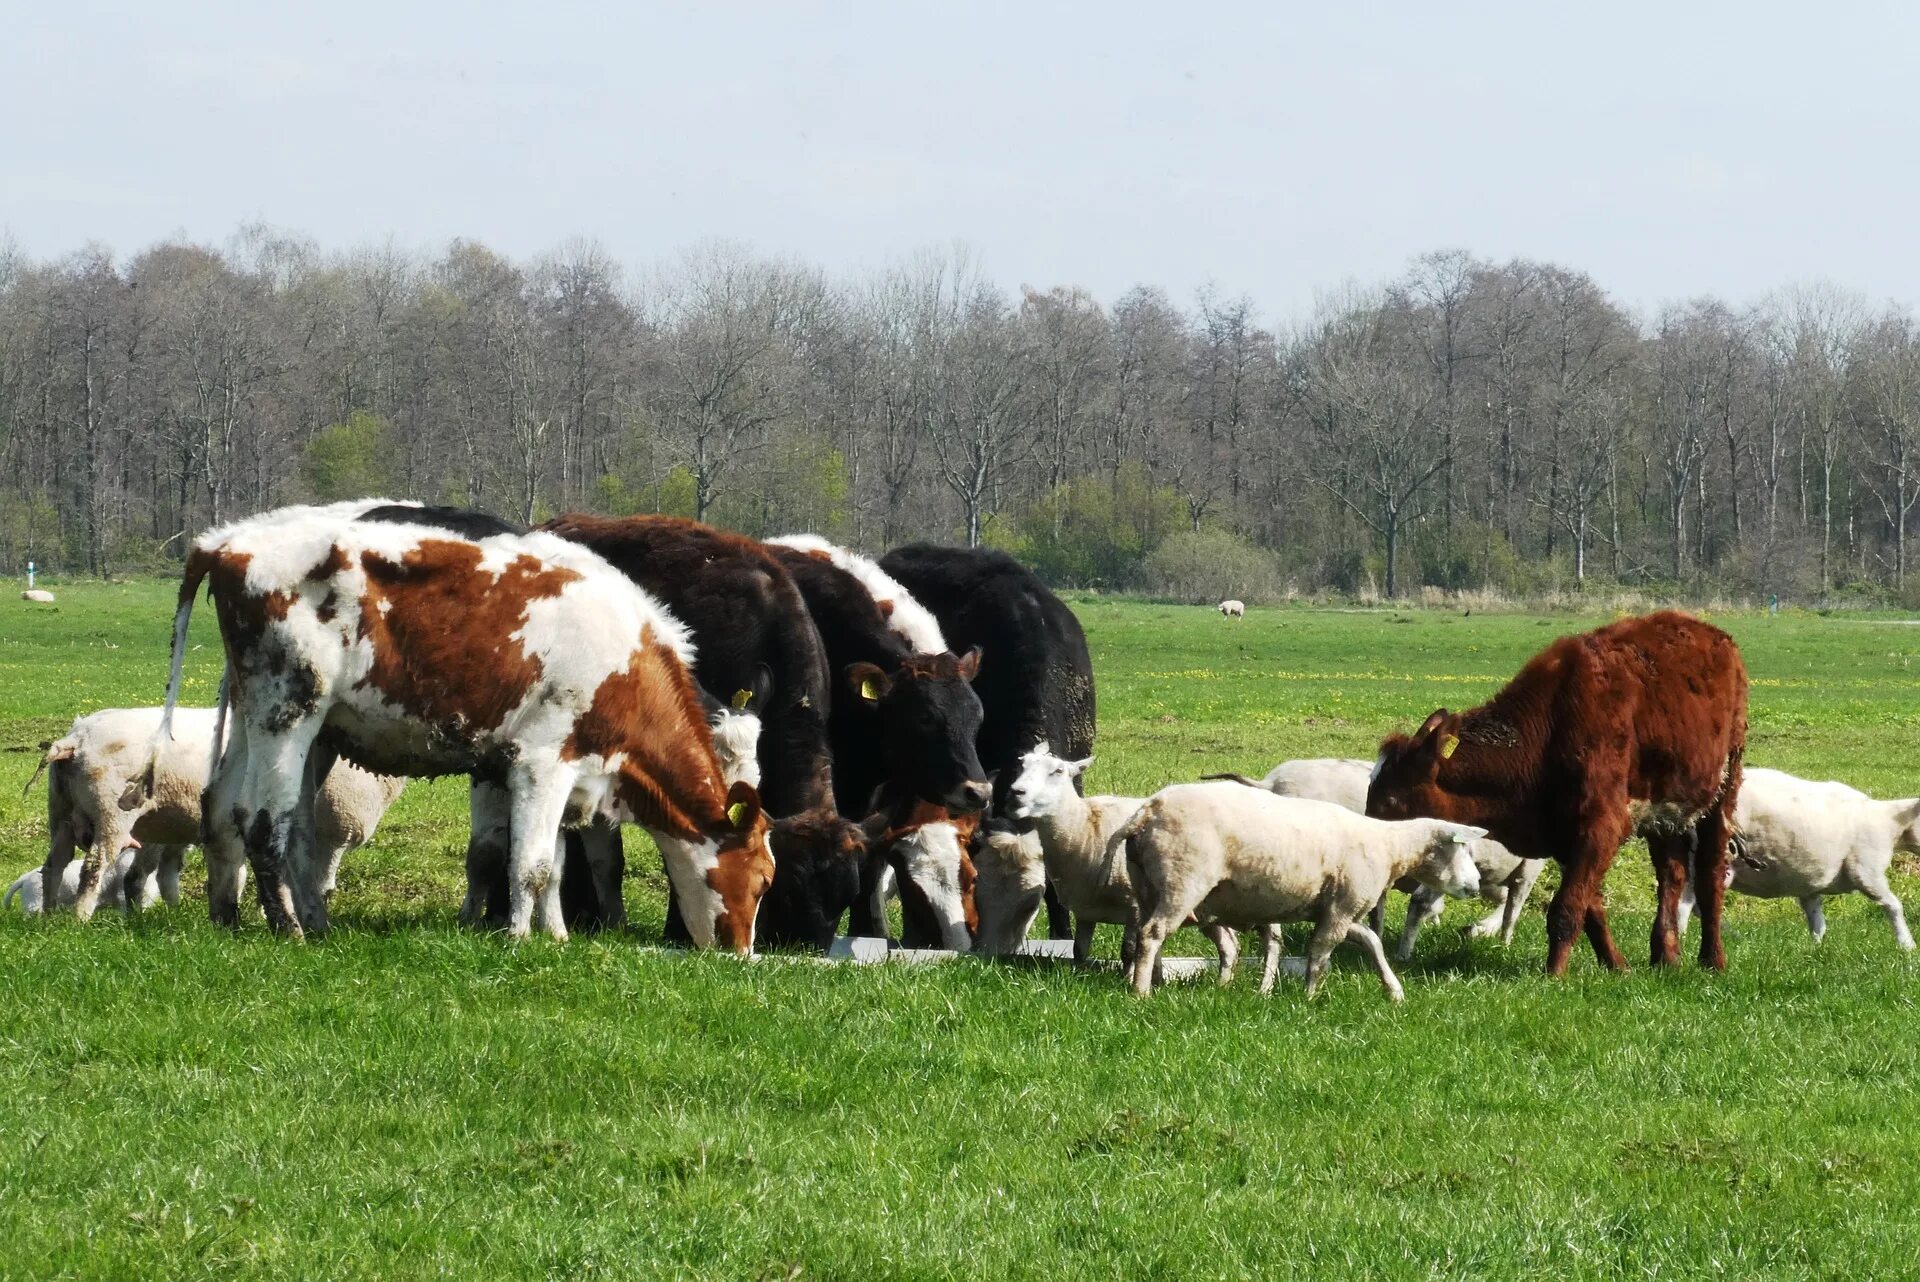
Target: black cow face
[(926, 718), (817, 858)]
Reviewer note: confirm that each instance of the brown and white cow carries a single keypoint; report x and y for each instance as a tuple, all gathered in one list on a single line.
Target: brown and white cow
[(1639, 726), (414, 650)]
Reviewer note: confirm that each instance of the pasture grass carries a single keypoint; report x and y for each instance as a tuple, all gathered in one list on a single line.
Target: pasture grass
[(408, 1099)]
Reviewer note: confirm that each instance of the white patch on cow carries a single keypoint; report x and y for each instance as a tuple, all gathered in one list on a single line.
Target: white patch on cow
[(910, 621), (688, 863), (931, 856)]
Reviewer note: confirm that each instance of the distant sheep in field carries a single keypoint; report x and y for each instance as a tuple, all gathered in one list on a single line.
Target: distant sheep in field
[(1798, 839), (1233, 609), (96, 769), (41, 595)]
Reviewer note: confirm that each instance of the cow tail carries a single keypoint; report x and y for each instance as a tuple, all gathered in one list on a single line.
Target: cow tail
[(198, 563), (219, 751), (52, 751), (7, 903)]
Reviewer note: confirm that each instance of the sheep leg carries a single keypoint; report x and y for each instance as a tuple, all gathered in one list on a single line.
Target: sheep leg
[(1489, 925), (1425, 905), (1371, 942), (1276, 944), (222, 825), (1815, 909), (1083, 939), (136, 886), (1874, 886), (172, 860), (109, 839), (1327, 934), (539, 800), (1377, 915), (1518, 892), (54, 871), (1227, 940)]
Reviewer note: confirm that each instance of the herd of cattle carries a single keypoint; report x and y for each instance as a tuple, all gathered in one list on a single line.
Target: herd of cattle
[(808, 734)]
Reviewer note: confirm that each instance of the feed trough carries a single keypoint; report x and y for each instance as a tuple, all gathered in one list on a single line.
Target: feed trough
[(863, 950)]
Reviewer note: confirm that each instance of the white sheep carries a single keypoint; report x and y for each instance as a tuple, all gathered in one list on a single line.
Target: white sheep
[(1243, 858), (40, 595), (1010, 880), (1233, 609), (1800, 839), (1506, 880), (93, 802), (1074, 834)]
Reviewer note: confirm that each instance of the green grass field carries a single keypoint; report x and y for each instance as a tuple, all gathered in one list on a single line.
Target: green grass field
[(407, 1099)]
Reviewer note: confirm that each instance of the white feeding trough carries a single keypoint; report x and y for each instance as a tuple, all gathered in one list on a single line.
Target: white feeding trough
[(862, 950)]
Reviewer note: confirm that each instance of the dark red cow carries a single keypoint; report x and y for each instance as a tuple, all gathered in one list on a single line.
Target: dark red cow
[(1639, 726)]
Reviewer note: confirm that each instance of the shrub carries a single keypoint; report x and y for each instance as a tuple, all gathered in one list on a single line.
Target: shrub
[(1211, 566)]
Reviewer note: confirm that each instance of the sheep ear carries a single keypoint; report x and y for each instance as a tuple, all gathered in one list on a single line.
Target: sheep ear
[(1080, 767)]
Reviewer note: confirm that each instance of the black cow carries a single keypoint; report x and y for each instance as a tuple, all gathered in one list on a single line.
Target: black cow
[(900, 721), (1039, 685)]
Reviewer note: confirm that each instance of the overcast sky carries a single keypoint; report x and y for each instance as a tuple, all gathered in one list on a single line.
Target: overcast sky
[(1276, 149)]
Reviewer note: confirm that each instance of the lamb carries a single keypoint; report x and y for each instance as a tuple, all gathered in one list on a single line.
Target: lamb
[(1074, 833), (1233, 609), (1506, 880), (1802, 839), (28, 886), (94, 773), (1237, 857), (1010, 883)]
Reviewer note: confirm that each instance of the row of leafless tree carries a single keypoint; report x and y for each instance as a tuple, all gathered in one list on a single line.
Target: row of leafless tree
[(1469, 424)]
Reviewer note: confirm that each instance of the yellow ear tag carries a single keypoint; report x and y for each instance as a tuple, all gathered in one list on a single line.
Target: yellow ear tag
[(741, 698), (736, 813), (1448, 744), (869, 691)]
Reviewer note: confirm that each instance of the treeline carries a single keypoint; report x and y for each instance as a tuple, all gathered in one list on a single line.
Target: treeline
[(1469, 425)]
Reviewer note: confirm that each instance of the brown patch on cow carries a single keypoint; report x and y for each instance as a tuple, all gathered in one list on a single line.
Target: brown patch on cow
[(819, 555), (1600, 734), (886, 609), (243, 616), (329, 606), (329, 565), (744, 870), (650, 715), (942, 667), (443, 649)]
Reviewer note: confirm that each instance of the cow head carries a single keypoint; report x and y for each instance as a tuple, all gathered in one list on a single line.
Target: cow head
[(817, 858), (1045, 784), (929, 850), (720, 909), (926, 718), (1406, 775)]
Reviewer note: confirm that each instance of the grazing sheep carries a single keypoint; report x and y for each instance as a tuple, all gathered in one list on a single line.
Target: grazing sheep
[(1236, 857), (1233, 609), (1506, 880), (29, 886), (94, 773), (1009, 886), (1798, 839), (1074, 833)]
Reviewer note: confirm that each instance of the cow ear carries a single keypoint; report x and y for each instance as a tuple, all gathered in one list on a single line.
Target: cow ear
[(886, 609), (970, 664), (868, 681), (743, 805), (761, 690), (1432, 723)]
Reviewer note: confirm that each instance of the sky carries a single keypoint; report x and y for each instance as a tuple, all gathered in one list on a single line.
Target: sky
[(1272, 149)]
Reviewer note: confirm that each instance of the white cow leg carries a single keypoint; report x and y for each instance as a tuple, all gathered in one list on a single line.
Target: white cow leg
[(1371, 942), (1684, 913), (539, 802), (1815, 909)]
